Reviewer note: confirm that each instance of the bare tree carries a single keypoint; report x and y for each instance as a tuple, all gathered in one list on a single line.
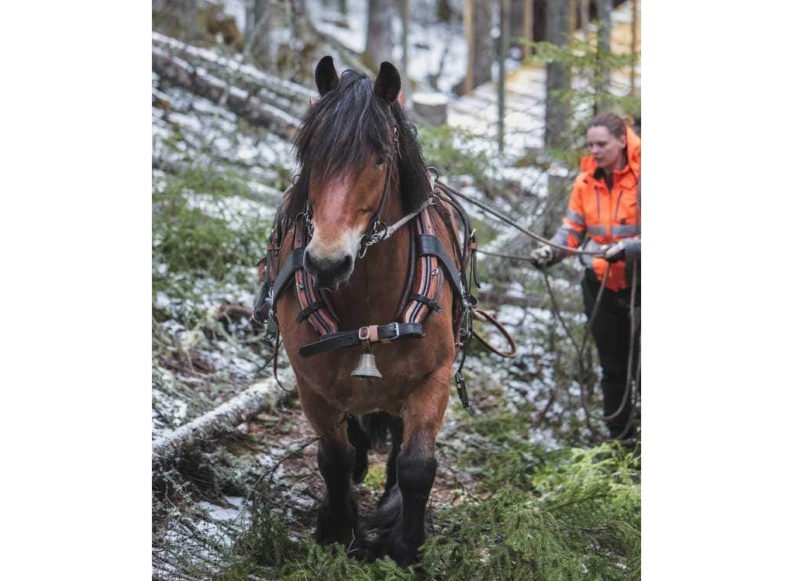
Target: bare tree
[(517, 18), (558, 78), (257, 32), (604, 8), (481, 50), (379, 33)]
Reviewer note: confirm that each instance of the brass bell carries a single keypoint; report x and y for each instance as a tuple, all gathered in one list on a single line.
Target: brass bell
[(366, 367)]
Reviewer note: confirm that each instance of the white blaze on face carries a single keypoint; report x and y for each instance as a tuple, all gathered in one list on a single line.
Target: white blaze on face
[(334, 248), (338, 228)]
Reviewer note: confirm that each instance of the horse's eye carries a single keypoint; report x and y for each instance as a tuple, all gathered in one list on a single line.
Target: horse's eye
[(381, 160)]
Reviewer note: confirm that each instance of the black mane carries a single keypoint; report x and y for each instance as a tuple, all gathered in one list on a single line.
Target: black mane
[(344, 128)]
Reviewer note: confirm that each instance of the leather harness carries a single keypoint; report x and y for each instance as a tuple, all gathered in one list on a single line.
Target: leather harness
[(429, 265)]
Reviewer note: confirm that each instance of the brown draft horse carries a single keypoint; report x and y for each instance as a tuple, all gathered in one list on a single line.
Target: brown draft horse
[(361, 167)]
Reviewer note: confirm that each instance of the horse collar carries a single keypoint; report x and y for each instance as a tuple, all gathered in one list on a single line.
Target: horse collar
[(427, 282)]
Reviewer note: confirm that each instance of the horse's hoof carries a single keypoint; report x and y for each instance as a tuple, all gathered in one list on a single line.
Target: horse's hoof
[(338, 526), (349, 538), (403, 554)]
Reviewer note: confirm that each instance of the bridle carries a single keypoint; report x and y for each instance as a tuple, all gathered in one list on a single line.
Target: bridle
[(377, 230)]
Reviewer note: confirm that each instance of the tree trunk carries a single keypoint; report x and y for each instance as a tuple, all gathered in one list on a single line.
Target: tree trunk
[(557, 110), (443, 11), (501, 80), (517, 18), (634, 42), (379, 33), (483, 45), (222, 418), (404, 9), (257, 33), (602, 77), (583, 13), (540, 20)]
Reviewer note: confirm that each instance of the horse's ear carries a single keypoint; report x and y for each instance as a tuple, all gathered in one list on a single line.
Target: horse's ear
[(325, 75), (387, 85)]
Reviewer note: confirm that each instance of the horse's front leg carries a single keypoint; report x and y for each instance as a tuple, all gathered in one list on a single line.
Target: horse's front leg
[(337, 519), (416, 465)]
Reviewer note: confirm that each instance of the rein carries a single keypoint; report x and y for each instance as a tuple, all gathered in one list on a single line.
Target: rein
[(510, 222)]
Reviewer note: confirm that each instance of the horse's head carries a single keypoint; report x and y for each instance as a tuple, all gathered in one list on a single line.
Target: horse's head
[(348, 149)]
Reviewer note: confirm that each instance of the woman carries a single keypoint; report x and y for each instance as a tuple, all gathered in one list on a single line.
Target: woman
[(603, 215)]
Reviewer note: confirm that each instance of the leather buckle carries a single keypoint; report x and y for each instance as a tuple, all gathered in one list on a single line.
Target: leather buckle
[(396, 332), (363, 333)]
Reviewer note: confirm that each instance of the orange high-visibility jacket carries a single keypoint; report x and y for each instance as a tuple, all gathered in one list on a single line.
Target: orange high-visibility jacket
[(597, 217)]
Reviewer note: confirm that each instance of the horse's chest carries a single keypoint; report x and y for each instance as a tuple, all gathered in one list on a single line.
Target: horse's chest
[(364, 395)]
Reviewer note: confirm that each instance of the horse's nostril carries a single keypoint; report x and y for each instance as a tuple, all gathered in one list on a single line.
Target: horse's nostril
[(328, 273)]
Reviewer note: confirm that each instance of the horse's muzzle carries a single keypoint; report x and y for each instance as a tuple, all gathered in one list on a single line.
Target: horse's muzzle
[(328, 273)]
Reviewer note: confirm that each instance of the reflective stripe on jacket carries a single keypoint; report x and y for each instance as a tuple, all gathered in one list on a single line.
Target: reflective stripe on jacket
[(597, 217)]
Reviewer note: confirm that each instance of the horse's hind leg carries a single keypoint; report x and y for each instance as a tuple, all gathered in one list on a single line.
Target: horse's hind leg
[(416, 467), (337, 519)]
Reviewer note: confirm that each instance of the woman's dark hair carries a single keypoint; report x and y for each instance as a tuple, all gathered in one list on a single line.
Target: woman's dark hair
[(614, 124)]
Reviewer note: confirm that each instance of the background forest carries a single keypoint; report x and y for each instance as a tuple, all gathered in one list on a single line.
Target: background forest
[(500, 93)]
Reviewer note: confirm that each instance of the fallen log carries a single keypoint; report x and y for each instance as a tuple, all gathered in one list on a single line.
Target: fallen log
[(222, 418), (200, 82), (292, 97)]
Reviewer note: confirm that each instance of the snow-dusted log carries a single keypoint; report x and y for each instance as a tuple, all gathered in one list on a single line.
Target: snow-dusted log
[(291, 97), (200, 82), (224, 417)]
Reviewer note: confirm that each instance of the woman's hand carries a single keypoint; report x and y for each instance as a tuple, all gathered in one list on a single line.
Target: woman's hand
[(615, 252), (542, 257), (630, 248)]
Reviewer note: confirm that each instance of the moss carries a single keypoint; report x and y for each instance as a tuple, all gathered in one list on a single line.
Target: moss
[(187, 239), (376, 476), (197, 256)]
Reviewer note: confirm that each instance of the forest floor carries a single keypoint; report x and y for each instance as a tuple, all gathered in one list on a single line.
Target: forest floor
[(242, 505)]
